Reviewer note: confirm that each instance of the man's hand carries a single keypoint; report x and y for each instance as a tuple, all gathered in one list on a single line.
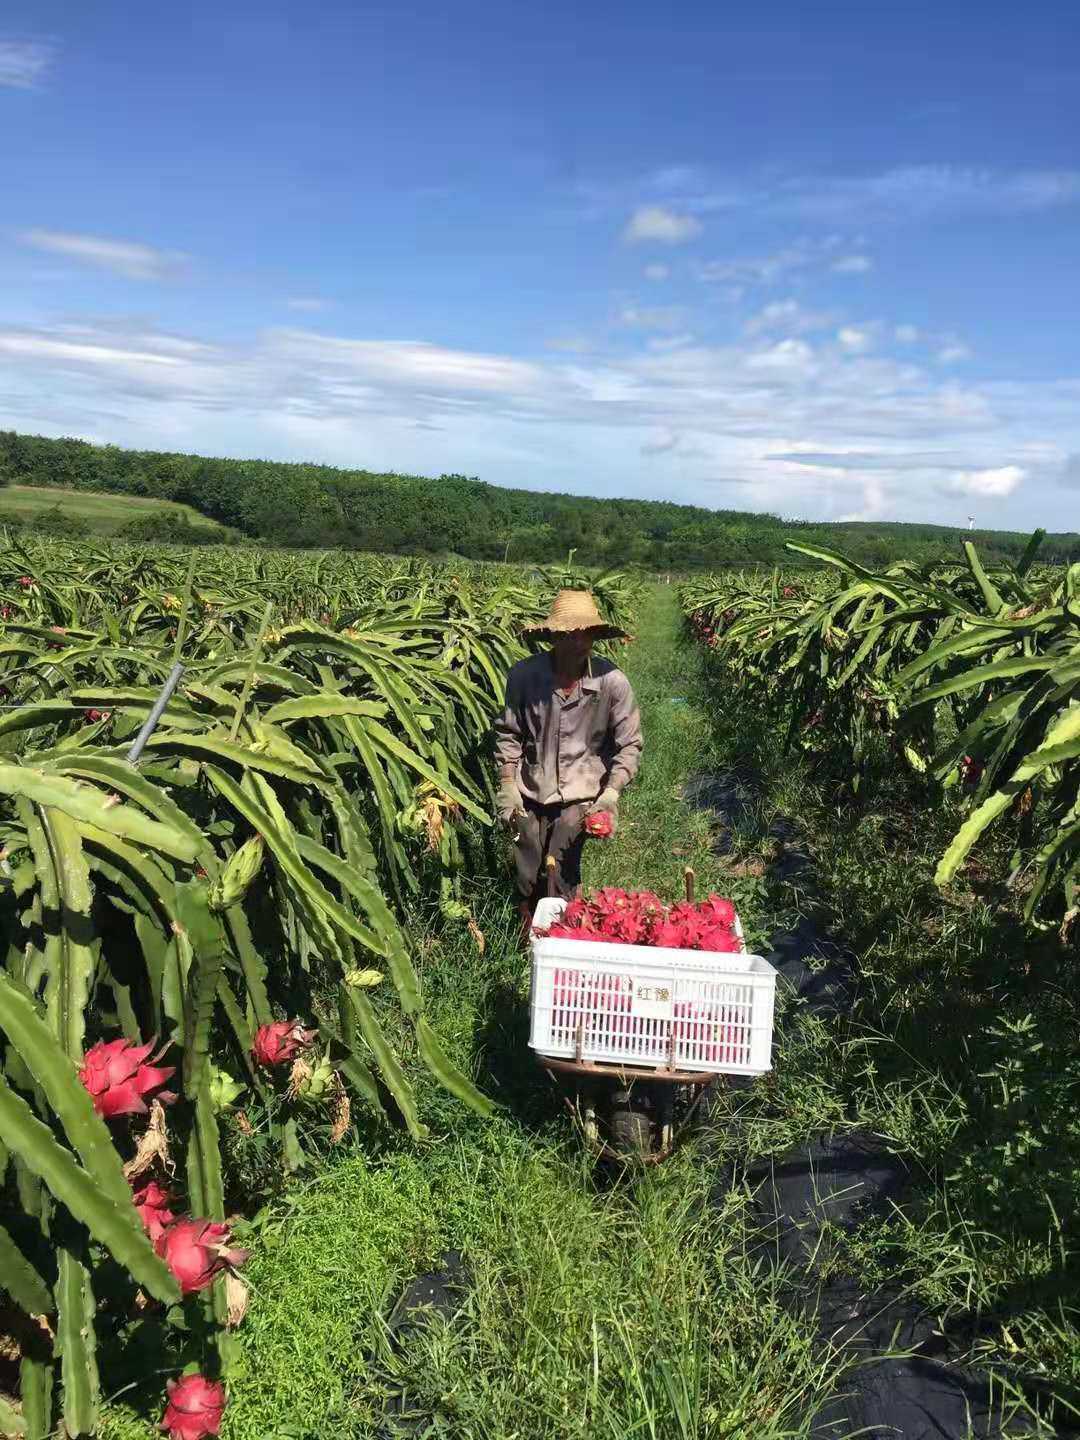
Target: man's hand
[(608, 804), (509, 804)]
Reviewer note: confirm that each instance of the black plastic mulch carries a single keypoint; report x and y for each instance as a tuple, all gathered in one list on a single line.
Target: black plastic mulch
[(437, 1294), (904, 1380)]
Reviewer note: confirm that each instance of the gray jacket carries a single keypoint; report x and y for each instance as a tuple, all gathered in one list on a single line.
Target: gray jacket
[(562, 749)]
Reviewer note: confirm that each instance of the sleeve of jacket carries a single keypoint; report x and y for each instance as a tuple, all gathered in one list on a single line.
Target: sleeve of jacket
[(626, 733), (508, 730)]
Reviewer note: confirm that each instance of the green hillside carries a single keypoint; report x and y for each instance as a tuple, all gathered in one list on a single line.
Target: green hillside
[(100, 513), (318, 505)]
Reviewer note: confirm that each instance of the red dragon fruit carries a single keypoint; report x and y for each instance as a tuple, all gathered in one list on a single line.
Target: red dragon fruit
[(628, 927), (609, 900), (196, 1251), (669, 936), (690, 921), (576, 913), (641, 918), (600, 825), (194, 1407), (715, 1043), (567, 996), (970, 770), (720, 910), (152, 1202), (720, 940), (571, 932), (278, 1044), (118, 1079)]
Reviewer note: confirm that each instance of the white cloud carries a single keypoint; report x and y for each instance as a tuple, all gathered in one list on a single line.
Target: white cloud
[(906, 334), (943, 466), (656, 272), (990, 484), (652, 317), (786, 315), (129, 258), (924, 192), (411, 363), (657, 223), (800, 430), (670, 342), (904, 193), (43, 347), (951, 354), (570, 344), (789, 261), (853, 340), (875, 497), (310, 303), (661, 443), (23, 63), (788, 356), (757, 269)]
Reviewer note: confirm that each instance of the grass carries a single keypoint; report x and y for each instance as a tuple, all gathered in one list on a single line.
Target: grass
[(102, 514), (602, 1305)]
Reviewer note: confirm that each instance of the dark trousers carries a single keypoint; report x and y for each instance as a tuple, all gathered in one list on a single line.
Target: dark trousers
[(555, 830)]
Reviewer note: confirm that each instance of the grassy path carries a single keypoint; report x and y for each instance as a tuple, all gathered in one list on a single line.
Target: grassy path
[(658, 836), (595, 1309)]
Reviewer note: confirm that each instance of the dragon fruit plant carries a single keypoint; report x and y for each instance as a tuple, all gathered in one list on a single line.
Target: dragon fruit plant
[(150, 897)]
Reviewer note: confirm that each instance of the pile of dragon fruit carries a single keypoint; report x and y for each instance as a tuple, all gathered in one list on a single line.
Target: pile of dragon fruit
[(638, 917)]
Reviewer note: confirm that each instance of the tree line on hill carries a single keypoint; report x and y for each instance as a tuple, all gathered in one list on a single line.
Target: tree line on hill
[(322, 506)]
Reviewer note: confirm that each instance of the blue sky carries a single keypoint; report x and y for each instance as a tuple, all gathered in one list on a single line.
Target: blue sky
[(821, 260)]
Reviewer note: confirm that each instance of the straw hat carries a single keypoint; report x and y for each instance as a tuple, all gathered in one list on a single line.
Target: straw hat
[(575, 610)]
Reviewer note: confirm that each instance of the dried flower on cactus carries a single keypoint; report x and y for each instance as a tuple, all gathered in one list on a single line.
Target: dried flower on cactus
[(153, 1146)]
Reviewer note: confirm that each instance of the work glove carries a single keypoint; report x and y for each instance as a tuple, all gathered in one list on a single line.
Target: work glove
[(608, 804), (509, 804)]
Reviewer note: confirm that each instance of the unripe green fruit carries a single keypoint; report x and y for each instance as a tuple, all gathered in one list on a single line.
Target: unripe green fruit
[(240, 870)]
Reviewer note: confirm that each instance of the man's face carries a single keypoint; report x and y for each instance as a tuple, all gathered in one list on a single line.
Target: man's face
[(572, 650)]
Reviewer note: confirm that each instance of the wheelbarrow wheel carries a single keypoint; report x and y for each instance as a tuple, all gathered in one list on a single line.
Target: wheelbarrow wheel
[(631, 1133)]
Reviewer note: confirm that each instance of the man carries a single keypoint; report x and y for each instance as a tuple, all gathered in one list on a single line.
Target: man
[(566, 745)]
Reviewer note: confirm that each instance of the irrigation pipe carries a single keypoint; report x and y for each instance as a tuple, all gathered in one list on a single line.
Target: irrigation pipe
[(149, 725)]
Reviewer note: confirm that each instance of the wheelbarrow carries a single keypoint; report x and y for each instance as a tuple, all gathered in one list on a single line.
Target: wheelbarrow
[(633, 1036)]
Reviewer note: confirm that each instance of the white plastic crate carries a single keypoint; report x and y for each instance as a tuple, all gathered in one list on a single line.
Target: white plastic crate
[(639, 1005)]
